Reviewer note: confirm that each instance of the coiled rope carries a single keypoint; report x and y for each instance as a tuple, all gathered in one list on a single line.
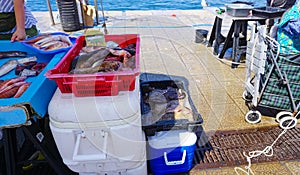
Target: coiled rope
[(268, 151)]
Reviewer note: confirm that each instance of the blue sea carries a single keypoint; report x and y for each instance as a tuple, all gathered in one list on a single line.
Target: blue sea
[(123, 5)]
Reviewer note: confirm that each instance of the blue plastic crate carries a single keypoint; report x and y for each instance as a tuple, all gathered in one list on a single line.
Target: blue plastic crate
[(17, 111), (171, 151), (52, 52)]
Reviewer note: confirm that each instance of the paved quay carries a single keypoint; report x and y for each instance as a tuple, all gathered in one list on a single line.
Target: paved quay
[(168, 47)]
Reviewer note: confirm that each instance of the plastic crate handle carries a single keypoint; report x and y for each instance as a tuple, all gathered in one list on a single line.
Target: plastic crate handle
[(176, 162), (83, 81), (89, 157)]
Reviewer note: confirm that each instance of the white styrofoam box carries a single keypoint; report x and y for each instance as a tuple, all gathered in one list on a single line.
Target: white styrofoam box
[(113, 147), (68, 108), (171, 151), (141, 170)]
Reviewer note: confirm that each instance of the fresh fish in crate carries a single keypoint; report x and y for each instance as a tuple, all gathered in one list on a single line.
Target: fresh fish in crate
[(11, 88), (8, 54), (28, 73), (131, 48), (12, 64), (54, 45), (50, 38), (89, 70), (167, 104), (9, 82), (111, 44), (88, 49), (39, 67), (174, 93), (8, 66), (157, 96), (9, 92), (26, 60), (110, 66), (21, 90), (49, 42), (87, 60), (106, 66), (36, 39), (121, 53)]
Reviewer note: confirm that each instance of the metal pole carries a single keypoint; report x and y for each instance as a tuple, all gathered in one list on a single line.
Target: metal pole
[(50, 11), (96, 11)]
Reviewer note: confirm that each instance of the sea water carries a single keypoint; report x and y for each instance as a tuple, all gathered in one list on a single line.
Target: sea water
[(123, 5)]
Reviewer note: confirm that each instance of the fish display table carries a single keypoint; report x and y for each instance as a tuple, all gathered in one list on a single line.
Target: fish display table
[(15, 111), (26, 111)]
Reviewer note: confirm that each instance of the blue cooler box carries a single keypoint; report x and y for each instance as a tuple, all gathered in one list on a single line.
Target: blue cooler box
[(171, 151)]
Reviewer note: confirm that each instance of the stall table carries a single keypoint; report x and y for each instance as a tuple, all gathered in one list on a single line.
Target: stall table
[(238, 25), (27, 111)]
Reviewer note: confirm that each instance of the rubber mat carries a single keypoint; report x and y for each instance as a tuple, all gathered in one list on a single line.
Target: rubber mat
[(225, 148)]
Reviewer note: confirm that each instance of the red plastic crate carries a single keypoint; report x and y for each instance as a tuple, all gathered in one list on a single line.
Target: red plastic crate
[(98, 84)]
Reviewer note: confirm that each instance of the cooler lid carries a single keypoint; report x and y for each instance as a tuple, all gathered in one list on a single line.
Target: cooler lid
[(172, 138), (68, 108)]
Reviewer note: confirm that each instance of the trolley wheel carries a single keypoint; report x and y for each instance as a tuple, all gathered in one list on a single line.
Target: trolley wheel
[(247, 96), (253, 117), (282, 115), (288, 122)]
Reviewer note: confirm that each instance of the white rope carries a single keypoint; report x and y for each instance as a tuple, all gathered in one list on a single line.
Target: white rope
[(268, 151)]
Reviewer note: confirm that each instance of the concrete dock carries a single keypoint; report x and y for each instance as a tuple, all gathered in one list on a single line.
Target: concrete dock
[(168, 47)]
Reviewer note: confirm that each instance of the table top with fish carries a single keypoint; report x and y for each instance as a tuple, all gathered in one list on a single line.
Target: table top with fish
[(37, 96)]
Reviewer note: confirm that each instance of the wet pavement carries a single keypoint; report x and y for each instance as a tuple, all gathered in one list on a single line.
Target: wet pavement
[(168, 47)]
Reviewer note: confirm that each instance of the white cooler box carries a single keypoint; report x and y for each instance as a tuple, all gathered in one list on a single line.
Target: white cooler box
[(99, 134), (171, 151), (141, 170), (66, 108)]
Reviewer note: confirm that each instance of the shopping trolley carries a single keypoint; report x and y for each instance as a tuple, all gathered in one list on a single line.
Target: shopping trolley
[(272, 80)]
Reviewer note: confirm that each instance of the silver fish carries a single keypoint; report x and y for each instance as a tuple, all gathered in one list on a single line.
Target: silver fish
[(51, 38), (8, 66), (27, 59), (92, 58), (8, 54), (48, 39), (12, 64)]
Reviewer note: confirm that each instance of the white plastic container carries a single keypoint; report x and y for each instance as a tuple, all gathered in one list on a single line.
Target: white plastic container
[(98, 134), (141, 170), (65, 107), (238, 9), (171, 151), (101, 149)]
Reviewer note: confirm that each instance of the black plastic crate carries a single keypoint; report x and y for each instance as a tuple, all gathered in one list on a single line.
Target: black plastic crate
[(268, 12), (168, 121)]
